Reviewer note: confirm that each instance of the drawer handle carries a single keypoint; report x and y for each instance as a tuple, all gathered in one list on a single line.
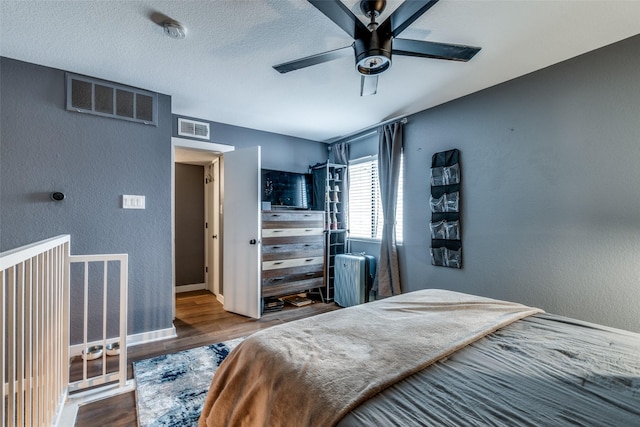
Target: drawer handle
[(274, 215), (309, 274), (277, 231), (309, 259), (278, 262), (308, 230), (276, 247), (278, 279)]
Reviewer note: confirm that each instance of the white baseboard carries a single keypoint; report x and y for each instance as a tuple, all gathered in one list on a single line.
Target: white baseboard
[(220, 298), (135, 339), (147, 337), (189, 288)]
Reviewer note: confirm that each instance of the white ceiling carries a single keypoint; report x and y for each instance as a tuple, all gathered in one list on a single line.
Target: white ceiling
[(222, 71)]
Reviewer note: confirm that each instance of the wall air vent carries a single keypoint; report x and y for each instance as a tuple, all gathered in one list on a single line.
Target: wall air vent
[(102, 98), (193, 129)]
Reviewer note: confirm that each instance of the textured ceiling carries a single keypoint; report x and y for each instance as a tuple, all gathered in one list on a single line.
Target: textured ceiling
[(222, 71)]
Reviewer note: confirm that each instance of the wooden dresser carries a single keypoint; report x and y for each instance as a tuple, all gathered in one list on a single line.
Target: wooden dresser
[(292, 252)]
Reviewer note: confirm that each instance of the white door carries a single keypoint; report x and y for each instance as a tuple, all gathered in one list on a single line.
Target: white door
[(215, 238), (241, 232), (212, 226)]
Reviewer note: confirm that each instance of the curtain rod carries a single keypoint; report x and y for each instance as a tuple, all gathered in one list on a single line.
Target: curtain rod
[(368, 131)]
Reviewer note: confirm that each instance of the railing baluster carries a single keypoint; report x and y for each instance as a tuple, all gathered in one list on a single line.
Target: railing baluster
[(104, 318), (20, 314), (11, 351), (28, 350), (85, 321), (3, 411)]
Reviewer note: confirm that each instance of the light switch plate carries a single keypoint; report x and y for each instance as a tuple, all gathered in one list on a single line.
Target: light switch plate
[(133, 202)]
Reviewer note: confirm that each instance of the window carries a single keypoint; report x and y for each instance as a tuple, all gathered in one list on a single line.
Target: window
[(365, 209)]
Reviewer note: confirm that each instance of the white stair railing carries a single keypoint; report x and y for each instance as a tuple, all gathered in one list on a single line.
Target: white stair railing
[(35, 284), (34, 297), (101, 285)]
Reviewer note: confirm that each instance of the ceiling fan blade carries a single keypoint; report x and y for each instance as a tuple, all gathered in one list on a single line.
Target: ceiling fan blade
[(424, 49), (342, 17), (308, 61), (368, 85), (405, 15)]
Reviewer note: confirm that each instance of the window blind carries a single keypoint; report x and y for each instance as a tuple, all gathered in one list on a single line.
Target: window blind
[(365, 208)]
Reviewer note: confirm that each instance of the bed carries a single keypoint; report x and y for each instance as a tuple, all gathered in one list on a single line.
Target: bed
[(430, 357)]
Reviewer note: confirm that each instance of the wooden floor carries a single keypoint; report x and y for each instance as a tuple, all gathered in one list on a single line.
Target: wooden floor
[(200, 320)]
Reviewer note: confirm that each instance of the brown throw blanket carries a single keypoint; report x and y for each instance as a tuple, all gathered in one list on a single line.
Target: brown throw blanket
[(311, 372)]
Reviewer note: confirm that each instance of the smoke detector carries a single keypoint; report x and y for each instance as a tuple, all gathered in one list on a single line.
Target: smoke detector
[(174, 29)]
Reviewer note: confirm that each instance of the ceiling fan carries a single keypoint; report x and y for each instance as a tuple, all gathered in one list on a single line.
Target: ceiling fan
[(375, 43)]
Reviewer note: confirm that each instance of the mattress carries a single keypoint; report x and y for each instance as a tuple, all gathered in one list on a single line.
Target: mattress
[(313, 371), (544, 370)]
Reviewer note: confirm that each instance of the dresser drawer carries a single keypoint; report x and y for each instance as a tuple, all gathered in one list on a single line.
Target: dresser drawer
[(293, 250), (281, 219), (289, 232), (288, 288), (294, 262), (287, 240), (292, 280), (269, 216), (292, 274)]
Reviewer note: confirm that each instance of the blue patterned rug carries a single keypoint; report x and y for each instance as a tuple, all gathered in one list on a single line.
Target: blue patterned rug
[(171, 389)]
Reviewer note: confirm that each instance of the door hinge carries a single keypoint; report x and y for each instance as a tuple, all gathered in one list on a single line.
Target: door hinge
[(206, 269), (206, 225)]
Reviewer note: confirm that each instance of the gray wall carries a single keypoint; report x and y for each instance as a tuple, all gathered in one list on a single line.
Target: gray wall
[(550, 204), (189, 223), (279, 152), (93, 160)]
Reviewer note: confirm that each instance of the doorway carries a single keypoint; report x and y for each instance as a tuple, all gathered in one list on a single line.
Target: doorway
[(190, 220), (204, 157)]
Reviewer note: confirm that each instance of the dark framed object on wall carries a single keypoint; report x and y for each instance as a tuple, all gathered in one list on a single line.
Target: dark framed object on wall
[(445, 226)]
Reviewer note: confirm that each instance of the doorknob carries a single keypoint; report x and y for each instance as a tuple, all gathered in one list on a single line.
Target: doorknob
[(215, 236), (252, 242)]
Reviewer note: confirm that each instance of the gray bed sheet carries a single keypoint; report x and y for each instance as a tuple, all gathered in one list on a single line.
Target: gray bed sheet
[(544, 370)]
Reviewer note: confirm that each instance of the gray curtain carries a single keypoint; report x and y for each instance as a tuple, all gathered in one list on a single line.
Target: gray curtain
[(387, 281), (340, 153)]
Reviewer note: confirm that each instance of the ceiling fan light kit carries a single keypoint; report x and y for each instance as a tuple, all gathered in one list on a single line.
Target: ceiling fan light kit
[(373, 44), (373, 54)]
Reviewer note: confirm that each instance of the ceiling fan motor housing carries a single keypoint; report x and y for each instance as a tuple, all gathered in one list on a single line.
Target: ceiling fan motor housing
[(373, 54)]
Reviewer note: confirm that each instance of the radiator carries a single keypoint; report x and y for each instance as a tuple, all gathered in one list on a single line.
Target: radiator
[(353, 278)]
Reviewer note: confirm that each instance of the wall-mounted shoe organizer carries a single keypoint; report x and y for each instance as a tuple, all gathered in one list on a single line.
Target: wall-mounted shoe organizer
[(446, 242)]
